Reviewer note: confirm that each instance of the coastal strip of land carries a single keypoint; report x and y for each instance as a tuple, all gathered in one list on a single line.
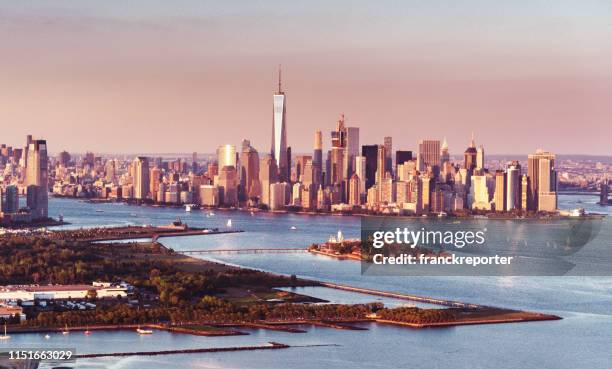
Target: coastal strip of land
[(270, 346)]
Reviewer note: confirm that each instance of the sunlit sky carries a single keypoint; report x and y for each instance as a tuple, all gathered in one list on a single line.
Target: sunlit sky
[(183, 76)]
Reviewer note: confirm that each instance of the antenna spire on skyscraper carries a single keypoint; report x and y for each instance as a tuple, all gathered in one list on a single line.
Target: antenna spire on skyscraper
[(279, 79)]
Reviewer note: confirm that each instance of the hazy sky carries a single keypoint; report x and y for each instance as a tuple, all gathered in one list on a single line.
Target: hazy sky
[(182, 76)]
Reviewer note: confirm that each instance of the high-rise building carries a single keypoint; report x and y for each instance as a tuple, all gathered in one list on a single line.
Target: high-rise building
[(278, 195), (470, 156), (381, 164), (317, 158), (480, 158), (542, 181), (228, 185), (11, 196), (499, 197), (429, 154), (402, 156), (279, 131), (141, 177), (370, 153), (388, 143), (513, 186), (300, 163), (37, 175), (268, 174), (444, 154), (339, 154), (249, 172), (352, 147), (354, 190), (360, 171), (525, 192), (226, 156)]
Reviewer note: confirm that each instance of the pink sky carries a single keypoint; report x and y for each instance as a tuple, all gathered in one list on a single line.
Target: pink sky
[(191, 78)]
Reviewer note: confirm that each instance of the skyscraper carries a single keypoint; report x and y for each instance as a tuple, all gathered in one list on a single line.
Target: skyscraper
[(542, 181), (279, 131), (338, 159), (513, 186), (317, 158), (370, 152), (268, 174), (381, 163), (429, 154), (37, 175), (388, 143), (352, 146), (470, 156), (226, 156), (141, 177), (249, 171)]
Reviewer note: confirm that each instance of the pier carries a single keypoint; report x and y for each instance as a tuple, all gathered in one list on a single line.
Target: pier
[(401, 296)]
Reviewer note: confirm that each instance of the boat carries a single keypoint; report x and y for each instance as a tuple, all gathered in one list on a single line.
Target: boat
[(252, 213), (188, 207), (6, 336), (143, 331), (47, 336), (66, 331), (87, 332), (99, 211), (293, 228), (229, 223)]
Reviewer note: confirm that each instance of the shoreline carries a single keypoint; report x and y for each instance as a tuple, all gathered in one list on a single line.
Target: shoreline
[(488, 216)]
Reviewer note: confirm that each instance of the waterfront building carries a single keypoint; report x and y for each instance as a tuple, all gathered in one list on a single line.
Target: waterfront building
[(513, 186), (309, 196), (355, 190), (228, 186), (11, 199), (141, 177), (249, 171), (387, 190), (499, 198), (296, 194), (278, 195), (480, 194), (317, 158), (279, 132), (268, 174), (388, 144), (209, 195), (37, 175), (542, 181)]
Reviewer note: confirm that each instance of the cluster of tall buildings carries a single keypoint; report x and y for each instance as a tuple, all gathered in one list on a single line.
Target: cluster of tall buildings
[(347, 177), (25, 173)]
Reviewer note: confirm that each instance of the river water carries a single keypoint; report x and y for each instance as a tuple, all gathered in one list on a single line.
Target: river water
[(581, 340)]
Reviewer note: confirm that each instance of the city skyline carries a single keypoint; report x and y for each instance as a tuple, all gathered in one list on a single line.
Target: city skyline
[(412, 71)]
